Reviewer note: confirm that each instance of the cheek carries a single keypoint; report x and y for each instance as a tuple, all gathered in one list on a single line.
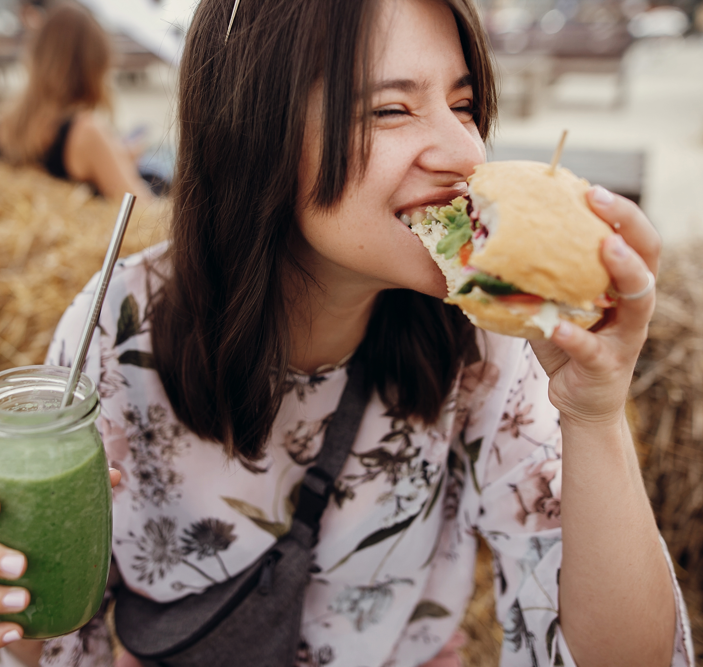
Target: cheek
[(360, 234), (342, 237), (480, 143), (353, 230)]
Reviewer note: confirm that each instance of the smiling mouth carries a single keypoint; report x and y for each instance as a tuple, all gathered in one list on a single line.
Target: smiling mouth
[(408, 215)]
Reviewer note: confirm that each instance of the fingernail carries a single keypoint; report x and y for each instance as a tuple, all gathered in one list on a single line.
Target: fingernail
[(563, 330), (602, 196), (15, 600), (618, 247), (12, 565), (11, 636)]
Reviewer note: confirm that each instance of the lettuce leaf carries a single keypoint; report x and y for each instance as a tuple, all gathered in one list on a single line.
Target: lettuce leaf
[(450, 244), (489, 284), (455, 219)]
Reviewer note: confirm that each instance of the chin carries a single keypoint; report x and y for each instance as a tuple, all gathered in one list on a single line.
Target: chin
[(439, 292), (427, 280)]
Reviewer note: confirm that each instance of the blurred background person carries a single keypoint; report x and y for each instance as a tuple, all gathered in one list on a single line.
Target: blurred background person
[(53, 122)]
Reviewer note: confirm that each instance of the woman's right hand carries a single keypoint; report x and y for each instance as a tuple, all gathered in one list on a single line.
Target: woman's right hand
[(14, 599)]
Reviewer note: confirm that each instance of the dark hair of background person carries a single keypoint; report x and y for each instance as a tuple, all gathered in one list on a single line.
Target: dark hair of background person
[(33, 12), (219, 323), (41, 4), (68, 60)]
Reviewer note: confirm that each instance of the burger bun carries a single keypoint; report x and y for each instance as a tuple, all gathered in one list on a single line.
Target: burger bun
[(517, 319)]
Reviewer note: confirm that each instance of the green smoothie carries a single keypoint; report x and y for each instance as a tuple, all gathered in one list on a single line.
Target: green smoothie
[(55, 507)]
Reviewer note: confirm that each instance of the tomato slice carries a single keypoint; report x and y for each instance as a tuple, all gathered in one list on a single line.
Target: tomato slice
[(465, 253), (521, 298)]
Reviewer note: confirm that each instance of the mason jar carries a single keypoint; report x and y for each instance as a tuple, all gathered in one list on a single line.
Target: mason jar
[(55, 498)]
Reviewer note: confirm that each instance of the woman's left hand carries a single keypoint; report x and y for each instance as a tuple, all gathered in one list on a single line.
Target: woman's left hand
[(590, 372)]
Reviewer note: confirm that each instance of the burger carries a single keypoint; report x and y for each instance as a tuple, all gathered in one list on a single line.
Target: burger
[(521, 251)]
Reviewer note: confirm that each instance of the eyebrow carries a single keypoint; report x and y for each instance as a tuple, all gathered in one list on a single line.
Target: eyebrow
[(412, 86)]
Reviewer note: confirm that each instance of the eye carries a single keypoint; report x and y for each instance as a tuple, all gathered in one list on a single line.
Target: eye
[(385, 112), (465, 107)]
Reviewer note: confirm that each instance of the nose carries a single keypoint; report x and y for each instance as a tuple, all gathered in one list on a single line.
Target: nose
[(453, 147)]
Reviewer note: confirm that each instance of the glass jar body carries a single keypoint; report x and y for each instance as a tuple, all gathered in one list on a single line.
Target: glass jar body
[(55, 498)]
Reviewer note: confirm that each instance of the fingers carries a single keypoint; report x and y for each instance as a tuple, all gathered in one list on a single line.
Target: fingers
[(627, 256), (628, 271), (628, 219), (115, 477), (9, 632), (582, 346), (629, 275), (13, 599), (12, 563)]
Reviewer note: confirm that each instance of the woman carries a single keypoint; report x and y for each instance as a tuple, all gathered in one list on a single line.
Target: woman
[(304, 135), (53, 123)]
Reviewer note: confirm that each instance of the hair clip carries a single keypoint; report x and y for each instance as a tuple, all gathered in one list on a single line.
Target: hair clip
[(231, 19)]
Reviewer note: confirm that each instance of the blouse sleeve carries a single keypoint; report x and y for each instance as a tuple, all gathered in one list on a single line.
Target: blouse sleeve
[(512, 449), (89, 646)]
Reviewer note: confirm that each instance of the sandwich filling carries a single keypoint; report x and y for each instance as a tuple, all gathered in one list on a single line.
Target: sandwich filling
[(455, 232)]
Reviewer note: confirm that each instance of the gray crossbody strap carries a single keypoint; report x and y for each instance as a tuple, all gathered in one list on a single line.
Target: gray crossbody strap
[(222, 626), (319, 480)]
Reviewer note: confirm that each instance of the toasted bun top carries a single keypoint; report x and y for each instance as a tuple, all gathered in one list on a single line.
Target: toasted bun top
[(545, 239)]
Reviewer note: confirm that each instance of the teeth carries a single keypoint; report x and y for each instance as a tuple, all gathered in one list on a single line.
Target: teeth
[(418, 217), (405, 219)]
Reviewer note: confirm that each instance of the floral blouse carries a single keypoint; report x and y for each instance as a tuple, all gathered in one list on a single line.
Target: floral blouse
[(397, 543)]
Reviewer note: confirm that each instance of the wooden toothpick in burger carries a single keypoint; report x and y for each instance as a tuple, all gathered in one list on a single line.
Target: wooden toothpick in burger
[(557, 154), (521, 251)]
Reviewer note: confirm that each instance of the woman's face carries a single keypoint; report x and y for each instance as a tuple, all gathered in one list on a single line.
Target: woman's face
[(424, 145)]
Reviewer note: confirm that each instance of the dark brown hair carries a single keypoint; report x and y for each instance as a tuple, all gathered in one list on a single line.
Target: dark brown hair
[(220, 334), (68, 62)]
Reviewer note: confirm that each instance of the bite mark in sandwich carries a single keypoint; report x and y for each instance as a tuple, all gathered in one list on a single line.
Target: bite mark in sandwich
[(521, 251)]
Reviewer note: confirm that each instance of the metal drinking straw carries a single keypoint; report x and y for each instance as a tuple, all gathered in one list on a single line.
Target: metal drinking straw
[(94, 313)]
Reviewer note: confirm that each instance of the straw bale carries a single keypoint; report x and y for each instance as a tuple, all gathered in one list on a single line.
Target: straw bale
[(485, 635), (668, 394), (53, 238)]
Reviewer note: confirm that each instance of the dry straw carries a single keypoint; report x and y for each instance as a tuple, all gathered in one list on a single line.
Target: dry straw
[(53, 237), (668, 395), (484, 634)]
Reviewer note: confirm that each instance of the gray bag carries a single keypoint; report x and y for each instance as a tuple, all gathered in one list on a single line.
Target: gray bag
[(252, 619)]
